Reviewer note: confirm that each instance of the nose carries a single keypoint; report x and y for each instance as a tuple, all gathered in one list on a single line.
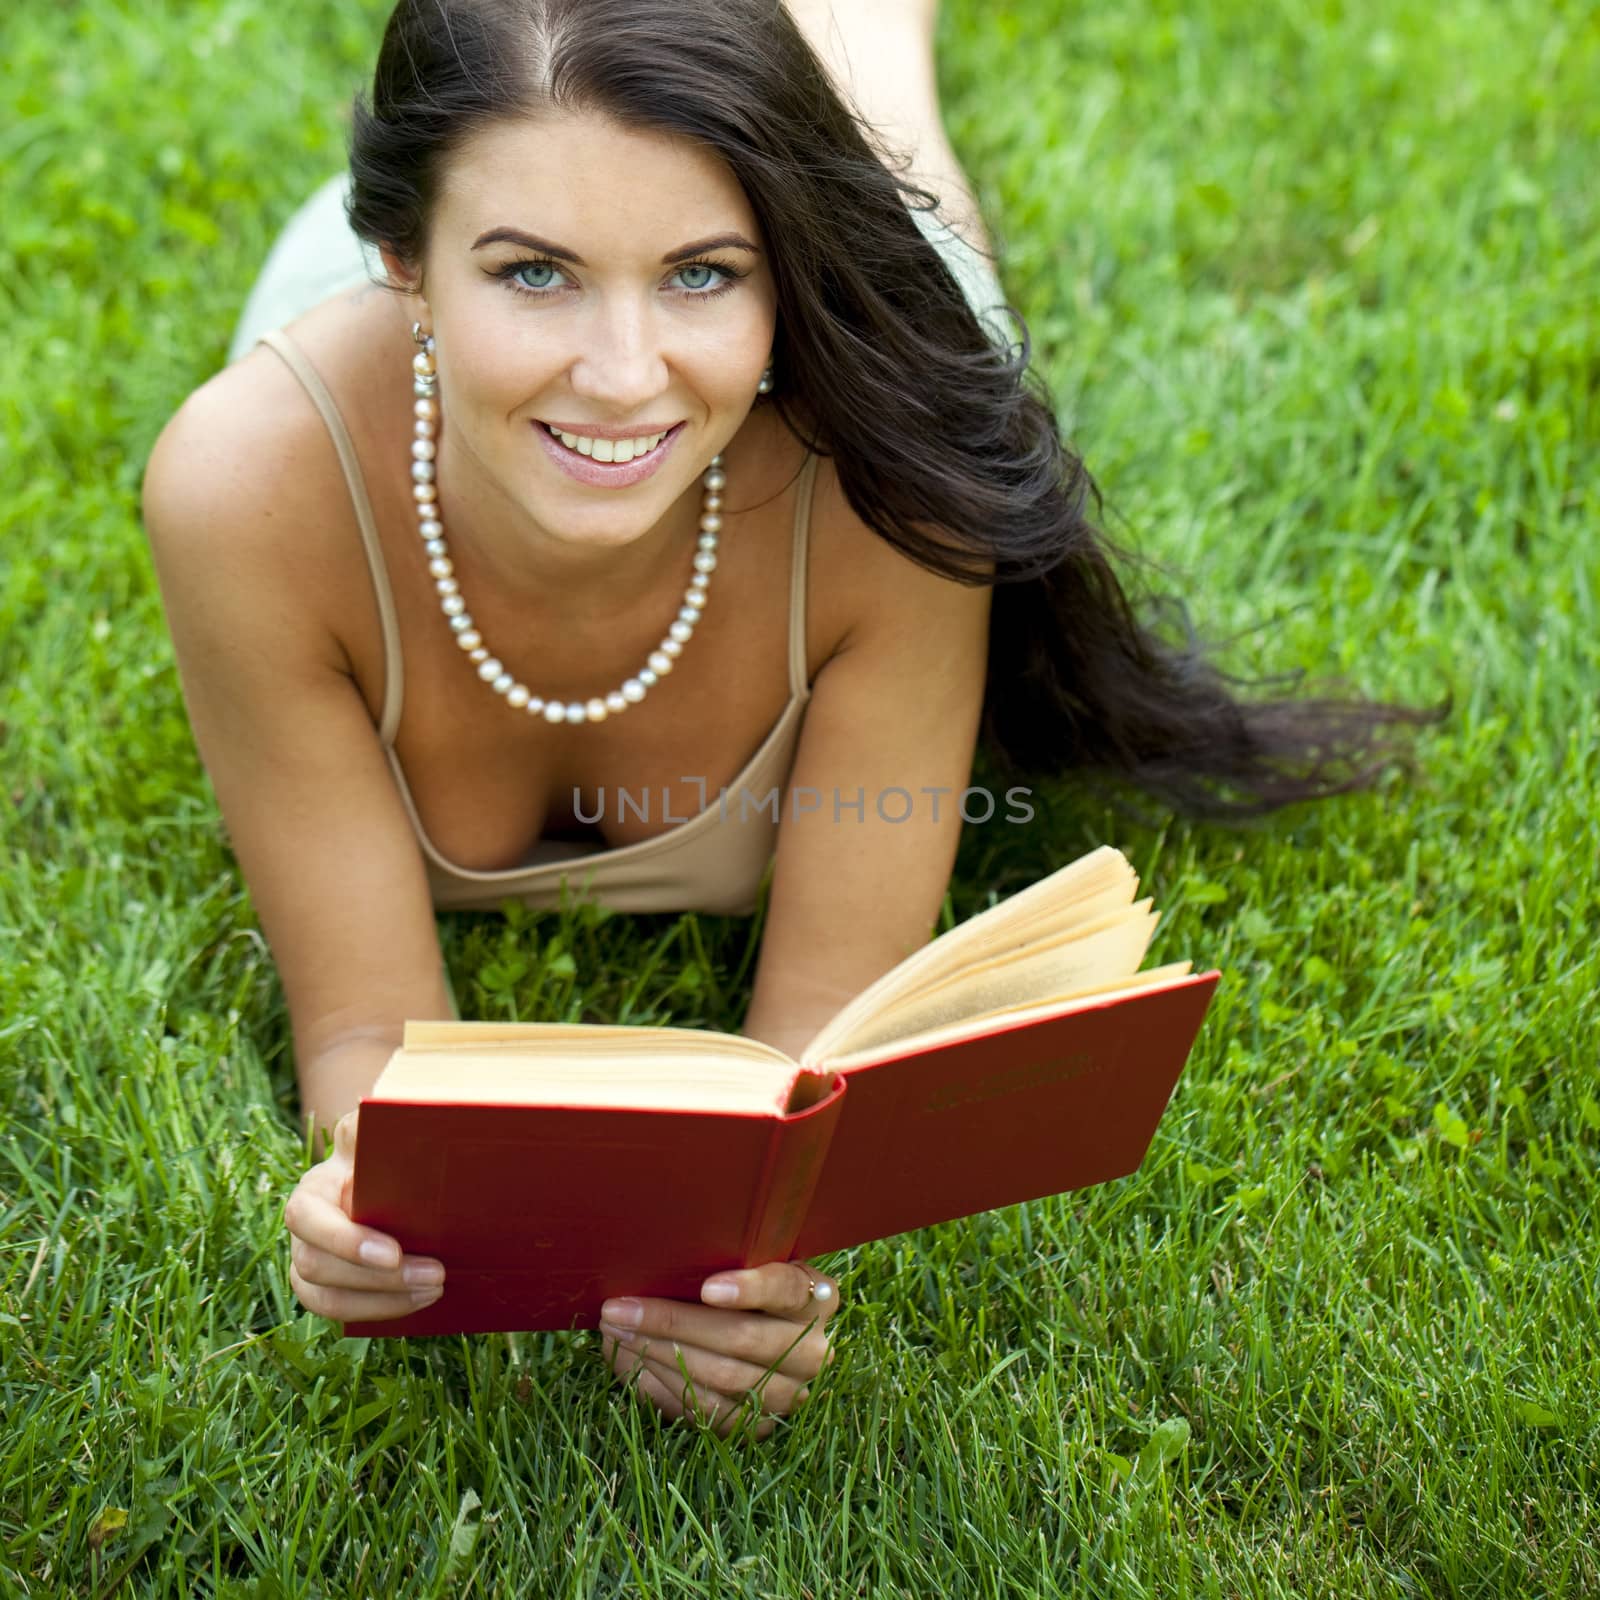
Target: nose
[(621, 366)]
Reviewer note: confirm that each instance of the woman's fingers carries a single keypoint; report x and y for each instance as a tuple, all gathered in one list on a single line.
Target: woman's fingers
[(314, 1215), (692, 1396), (356, 1305), (341, 1270), (663, 1398), (332, 1272), (781, 1289), (714, 1376), (668, 1390), (764, 1348), (344, 1136), (762, 1339), (346, 1291)]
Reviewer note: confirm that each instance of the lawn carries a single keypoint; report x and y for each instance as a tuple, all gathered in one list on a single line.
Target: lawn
[(1314, 286)]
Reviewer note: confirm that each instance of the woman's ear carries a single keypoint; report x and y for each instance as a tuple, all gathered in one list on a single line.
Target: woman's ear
[(402, 277)]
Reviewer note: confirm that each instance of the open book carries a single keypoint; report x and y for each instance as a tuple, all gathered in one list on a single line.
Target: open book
[(1018, 1055)]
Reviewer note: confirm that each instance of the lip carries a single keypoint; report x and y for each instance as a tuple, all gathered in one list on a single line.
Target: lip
[(606, 474)]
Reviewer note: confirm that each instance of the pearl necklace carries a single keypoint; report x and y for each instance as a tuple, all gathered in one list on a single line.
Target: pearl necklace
[(424, 449)]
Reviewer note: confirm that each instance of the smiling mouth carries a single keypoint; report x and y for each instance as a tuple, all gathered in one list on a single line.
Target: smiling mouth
[(610, 452)]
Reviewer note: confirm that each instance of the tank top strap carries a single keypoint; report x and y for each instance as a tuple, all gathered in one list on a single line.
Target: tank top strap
[(311, 381), (799, 540)]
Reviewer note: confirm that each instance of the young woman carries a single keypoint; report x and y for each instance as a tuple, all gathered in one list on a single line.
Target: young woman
[(626, 422)]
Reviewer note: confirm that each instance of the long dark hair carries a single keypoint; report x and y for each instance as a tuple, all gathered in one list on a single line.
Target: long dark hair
[(945, 443)]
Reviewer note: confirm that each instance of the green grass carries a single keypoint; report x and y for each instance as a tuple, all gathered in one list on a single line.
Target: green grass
[(1314, 284)]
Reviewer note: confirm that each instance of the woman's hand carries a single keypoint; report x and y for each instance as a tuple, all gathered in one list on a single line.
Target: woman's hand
[(339, 1270), (773, 1323)]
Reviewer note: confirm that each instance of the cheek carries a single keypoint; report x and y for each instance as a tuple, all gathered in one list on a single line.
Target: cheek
[(485, 373), (733, 353)]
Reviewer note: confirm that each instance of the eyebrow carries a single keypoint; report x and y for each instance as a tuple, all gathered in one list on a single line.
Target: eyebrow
[(720, 241)]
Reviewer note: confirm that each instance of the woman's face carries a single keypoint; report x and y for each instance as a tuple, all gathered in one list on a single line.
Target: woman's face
[(638, 298)]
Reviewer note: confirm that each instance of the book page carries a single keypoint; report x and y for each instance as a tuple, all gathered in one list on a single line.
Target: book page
[(1063, 969), (1081, 893), (1048, 926), (637, 1074), (476, 1035), (1047, 955), (1051, 1006), (995, 956)]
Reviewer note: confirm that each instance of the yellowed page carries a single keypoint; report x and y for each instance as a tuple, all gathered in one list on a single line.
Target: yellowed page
[(1089, 884), (1155, 977), (688, 1069), (952, 983), (450, 1036), (1055, 1006), (1006, 940), (1064, 969)]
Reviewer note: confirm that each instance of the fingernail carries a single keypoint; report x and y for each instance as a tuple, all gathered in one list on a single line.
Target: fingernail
[(423, 1272), (622, 1313), (721, 1293), (425, 1297), (618, 1334), (379, 1253)]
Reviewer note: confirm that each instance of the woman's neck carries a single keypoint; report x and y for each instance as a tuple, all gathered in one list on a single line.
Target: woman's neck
[(527, 563), (498, 547)]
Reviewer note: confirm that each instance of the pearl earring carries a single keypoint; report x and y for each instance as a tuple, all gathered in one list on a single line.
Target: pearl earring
[(766, 384)]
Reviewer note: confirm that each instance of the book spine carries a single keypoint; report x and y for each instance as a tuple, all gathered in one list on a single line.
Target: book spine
[(795, 1157)]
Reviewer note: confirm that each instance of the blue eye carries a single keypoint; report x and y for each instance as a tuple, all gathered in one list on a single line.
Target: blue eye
[(519, 267), (721, 278), (700, 266)]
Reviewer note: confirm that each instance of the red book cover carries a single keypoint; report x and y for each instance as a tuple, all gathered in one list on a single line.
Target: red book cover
[(540, 1213), (1023, 1111)]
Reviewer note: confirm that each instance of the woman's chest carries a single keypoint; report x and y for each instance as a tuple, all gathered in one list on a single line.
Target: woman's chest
[(489, 781)]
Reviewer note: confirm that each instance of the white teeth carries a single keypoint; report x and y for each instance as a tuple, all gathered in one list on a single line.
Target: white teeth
[(614, 450)]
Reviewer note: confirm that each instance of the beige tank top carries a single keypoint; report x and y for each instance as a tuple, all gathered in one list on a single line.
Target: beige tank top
[(715, 861)]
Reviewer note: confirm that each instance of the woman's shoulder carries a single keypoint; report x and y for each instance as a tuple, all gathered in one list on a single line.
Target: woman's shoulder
[(248, 429), (254, 424), (244, 481)]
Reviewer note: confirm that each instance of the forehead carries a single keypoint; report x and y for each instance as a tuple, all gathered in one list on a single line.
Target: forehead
[(590, 182)]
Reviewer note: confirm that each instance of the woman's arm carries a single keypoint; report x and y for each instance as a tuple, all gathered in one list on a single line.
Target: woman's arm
[(894, 715), (236, 500)]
